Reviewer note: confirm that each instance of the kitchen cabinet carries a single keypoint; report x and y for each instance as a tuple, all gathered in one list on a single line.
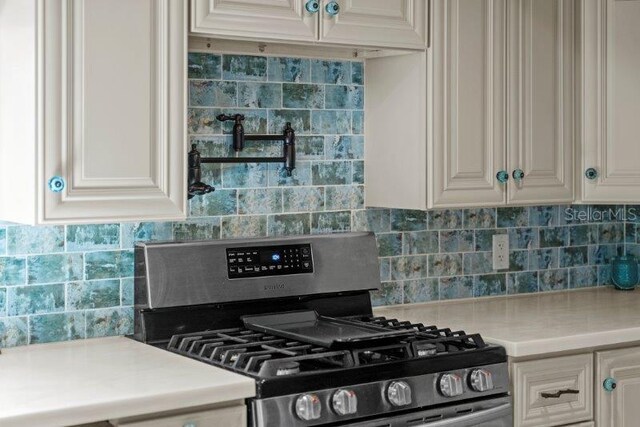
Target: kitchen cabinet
[(485, 117), (360, 23), (609, 101), (92, 110), (618, 406), (234, 416)]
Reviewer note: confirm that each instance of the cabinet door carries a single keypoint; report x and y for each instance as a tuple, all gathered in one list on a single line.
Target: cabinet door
[(114, 110), (379, 23), (618, 408), (540, 102), (467, 132), (609, 100), (254, 19)]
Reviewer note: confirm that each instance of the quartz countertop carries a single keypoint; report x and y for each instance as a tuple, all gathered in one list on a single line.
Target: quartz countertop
[(106, 378), (537, 324)]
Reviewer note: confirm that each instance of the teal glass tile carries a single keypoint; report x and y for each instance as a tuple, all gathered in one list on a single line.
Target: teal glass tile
[(523, 238), (13, 271), (604, 275), (93, 237), (630, 233), (543, 216), (56, 327), (94, 294), (445, 219), (35, 299), (611, 233), (423, 290), (420, 242), (553, 280), (583, 277), (259, 201), (357, 73), (303, 199), (408, 220), (127, 291), (54, 268), (108, 265), (357, 172), (3, 302), (330, 222), (288, 224), (357, 122), (3, 241), (344, 97), (518, 260), (335, 72), (344, 147), (203, 121), (456, 241), (259, 95), (573, 256), (385, 269), (389, 294), (300, 121), (212, 146), (295, 70), (477, 263), (109, 322), (35, 240), (512, 217), (484, 238), (372, 219), (604, 254), (244, 67), (204, 66), (551, 237), (543, 259), (255, 121), (302, 95), (278, 177), (13, 331), (197, 229), (331, 122), (244, 175), (243, 226), (344, 197), (389, 244), (479, 218), (408, 267), (522, 283), (220, 202), (456, 287), (445, 265), (211, 93), (583, 234), (331, 173), (133, 232), (309, 147), (489, 285)]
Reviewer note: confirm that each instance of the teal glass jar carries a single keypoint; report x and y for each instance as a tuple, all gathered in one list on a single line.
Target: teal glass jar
[(624, 272)]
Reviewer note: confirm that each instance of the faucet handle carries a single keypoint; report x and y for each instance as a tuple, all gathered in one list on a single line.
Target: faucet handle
[(238, 118)]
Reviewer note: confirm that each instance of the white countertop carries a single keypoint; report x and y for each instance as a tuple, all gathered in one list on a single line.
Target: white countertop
[(540, 323), (106, 378)]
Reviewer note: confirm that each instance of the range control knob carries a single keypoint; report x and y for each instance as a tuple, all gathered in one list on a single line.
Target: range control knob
[(345, 402), (450, 385), (481, 380), (399, 393), (308, 407)]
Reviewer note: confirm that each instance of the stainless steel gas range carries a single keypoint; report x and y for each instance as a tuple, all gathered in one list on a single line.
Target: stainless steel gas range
[(294, 313)]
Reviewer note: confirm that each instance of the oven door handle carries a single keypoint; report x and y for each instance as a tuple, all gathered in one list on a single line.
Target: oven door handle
[(473, 418)]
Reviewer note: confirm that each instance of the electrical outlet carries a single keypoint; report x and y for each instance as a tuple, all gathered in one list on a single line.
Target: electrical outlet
[(500, 251)]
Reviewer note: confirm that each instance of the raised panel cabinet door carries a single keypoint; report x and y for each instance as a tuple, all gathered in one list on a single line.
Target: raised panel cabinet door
[(540, 51), (287, 20), (114, 107), (467, 129), (619, 407), (609, 100), (376, 23)]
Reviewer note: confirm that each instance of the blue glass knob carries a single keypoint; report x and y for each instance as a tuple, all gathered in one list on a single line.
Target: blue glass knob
[(312, 6), (609, 384), (518, 175), (57, 184), (502, 177), (591, 173), (332, 8)]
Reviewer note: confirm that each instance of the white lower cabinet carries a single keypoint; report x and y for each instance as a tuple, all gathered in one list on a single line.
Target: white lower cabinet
[(235, 416), (619, 407)]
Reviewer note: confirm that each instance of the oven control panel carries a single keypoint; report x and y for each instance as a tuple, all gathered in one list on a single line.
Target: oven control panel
[(269, 261)]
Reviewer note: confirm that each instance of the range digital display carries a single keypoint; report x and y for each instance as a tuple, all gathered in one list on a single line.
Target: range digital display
[(269, 261)]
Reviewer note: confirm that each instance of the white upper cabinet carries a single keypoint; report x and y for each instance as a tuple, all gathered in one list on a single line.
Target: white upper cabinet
[(358, 23), (609, 101), (107, 117)]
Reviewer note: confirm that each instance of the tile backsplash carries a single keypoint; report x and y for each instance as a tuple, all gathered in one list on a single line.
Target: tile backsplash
[(75, 281)]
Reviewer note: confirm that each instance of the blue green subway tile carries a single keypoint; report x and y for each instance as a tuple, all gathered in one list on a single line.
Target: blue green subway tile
[(243, 226), (212, 174), (303, 96), (385, 269), (3, 302), (56, 327), (408, 220), (583, 277), (344, 147), (522, 283), (611, 233), (244, 175), (3, 241), (630, 233), (445, 219), (92, 237), (543, 259), (543, 216), (566, 214), (357, 73), (330, 222), (489, 285), (445, 265), (54, 268), (93, 294), (479, 218), (13, 271), (204, 66), (390, 293), (108, 265), (422, 290), (330, 121), (211, 93), (335, 72), (133, 232), (574, 256), (294, 70), (331, 173), (259, 201), (205, 229), (349, 97), (477, 263), (632, 214), (288, 224), (512, 217), (309, 147), (456, 241), (344, 197), (586, 234), (604, 275), (220, 202), (357, 172), (108, 322), (518, 260), (278, 176), (255, 121), (261, 149), (420, 242), (389, 244), (244, 67), (407, 267), (300, 121), (13, 331), (35, 299), (553, 280), (373, 219), (212, 146), (604, 254), (456, 287), (593, 214), (303, 199), (35, 240), (484, 238), (523, 238), (127, 291), (259, 95), (633, 249), (553, 237), (357, 122), (203, 121)]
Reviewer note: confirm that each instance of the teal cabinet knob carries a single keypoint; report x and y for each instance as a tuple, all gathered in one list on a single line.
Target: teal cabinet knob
[(312, 6), (332, 8), (591, 173), (518, 175), (609, 384), (56, 184), (502, 177)]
